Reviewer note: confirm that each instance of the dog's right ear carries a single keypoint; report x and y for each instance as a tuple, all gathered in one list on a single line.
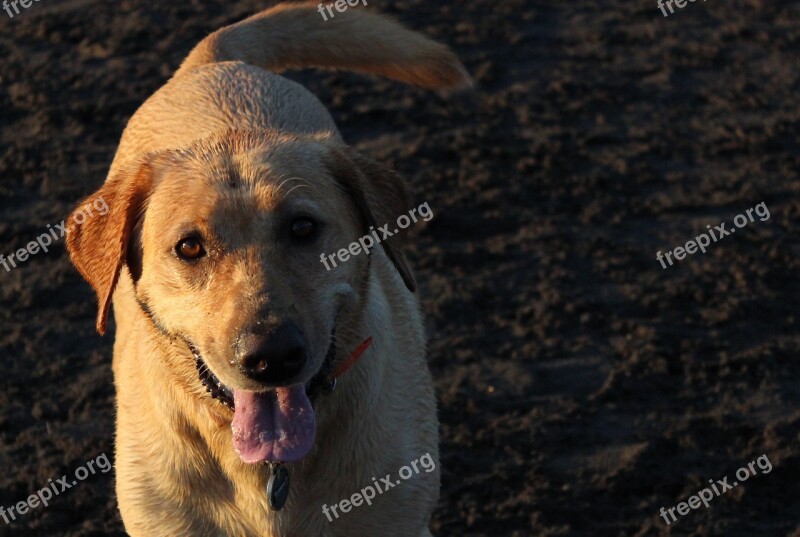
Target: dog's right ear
[(98, 245), (379, 194)]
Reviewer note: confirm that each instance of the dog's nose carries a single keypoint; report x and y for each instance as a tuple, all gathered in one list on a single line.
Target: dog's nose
[(273, 358)]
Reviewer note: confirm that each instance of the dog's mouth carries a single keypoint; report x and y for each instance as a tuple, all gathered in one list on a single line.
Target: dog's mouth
[(277, 425), (215, 388)]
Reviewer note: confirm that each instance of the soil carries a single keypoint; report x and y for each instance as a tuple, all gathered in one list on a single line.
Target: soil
[(582, 386)]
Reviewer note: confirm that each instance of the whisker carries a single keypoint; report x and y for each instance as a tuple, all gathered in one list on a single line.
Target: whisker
[(278, 189), (295, 188)]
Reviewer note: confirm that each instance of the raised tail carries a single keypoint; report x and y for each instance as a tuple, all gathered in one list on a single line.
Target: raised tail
[(297, 36)]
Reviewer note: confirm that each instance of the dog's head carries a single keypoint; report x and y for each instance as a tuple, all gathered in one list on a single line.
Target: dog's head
[(223, 241)]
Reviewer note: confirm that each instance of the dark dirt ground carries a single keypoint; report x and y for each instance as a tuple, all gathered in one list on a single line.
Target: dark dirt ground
[(582, 387)]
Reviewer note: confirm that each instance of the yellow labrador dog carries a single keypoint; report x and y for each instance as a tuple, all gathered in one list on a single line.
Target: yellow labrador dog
[(228, 186)]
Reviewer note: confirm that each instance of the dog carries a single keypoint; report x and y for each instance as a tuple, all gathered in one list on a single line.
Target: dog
[(228, 184)]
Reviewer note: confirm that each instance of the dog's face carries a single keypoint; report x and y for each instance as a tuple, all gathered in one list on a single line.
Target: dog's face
[(224, 240), (230, 254)]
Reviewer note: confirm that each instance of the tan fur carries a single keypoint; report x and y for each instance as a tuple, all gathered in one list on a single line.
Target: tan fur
[(229, 149)]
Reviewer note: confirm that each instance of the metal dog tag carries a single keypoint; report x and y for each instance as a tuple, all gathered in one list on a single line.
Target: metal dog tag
[(278, 486)]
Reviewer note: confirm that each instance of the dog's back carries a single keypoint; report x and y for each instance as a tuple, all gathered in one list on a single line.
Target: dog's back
[(229, 75)]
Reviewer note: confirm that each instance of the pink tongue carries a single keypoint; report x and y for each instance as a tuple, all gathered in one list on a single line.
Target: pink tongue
[(275, 426)]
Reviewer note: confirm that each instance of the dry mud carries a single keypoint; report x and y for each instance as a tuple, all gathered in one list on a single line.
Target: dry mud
[(582, 387)]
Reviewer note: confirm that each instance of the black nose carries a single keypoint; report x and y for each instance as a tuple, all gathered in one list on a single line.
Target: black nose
[(276, 357)]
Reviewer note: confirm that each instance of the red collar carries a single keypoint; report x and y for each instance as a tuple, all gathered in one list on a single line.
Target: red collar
[(351, 360)]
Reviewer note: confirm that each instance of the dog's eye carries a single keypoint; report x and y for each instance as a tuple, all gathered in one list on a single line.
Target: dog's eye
[(190, 249), (303, 228)]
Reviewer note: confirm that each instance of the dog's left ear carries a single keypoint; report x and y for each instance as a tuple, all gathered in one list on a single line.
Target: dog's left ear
[(380, 195), (97, 246)]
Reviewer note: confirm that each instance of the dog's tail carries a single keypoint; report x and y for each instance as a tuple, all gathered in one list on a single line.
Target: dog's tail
[(305, 35)]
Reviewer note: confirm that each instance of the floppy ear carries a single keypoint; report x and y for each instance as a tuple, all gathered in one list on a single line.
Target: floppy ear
[(98, 246), (380, 195)]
